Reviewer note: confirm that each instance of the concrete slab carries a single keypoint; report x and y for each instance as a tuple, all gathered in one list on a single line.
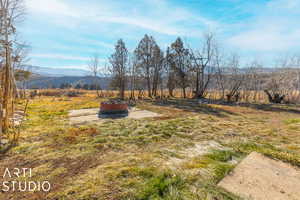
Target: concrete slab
[(260, 178), (84, 116), (139, 114), (83, 112)]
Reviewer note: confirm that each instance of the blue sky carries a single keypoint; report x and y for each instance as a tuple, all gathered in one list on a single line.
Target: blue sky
[(66, 33)]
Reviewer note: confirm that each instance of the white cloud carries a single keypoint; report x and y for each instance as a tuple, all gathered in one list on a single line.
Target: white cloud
[(60, 57), (158, 16), (97, 42), (142, 23), (265, 40), (51, 7), (274, 29), (288, 5), (268, 28)]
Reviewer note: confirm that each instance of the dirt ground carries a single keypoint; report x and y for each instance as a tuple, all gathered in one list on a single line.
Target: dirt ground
[(191, 152), (260, 178)]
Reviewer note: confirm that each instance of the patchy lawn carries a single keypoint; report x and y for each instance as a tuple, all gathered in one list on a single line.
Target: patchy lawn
[(153, 158)]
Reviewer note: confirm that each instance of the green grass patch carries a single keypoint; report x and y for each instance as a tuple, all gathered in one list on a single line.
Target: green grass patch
[(211, 191), (161, 186), (268, 150), (221, 170), (145, 183), (222, 155), (292, 121)]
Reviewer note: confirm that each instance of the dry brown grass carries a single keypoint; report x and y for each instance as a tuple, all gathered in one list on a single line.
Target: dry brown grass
[(245, 96), (127, 159)]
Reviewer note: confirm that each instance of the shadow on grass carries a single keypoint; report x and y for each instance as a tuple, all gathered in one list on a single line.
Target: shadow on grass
[(192, 105), (113, 115), (271, 107), (5, 148)]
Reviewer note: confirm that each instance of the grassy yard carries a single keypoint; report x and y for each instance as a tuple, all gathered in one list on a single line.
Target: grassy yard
[(154, 158)]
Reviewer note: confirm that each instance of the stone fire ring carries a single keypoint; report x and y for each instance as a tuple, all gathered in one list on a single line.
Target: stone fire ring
[(113, 109)]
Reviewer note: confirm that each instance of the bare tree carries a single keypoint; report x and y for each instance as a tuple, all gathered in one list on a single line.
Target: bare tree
[(253, 80), (136, 77), (11, 12), (278, 85), (281, 82), (219, 64), (144, 55), (94, 67), (181, 64), (158, 59), (119, 67), (202, 65), (170, 72), (234, 78), (132, 76)]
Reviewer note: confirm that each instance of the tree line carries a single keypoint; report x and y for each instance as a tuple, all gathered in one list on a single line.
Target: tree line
[(151, 70)]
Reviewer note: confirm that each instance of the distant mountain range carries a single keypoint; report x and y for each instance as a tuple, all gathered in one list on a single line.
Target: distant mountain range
[(57, 72), (46, 77), (43, 82), (60, 72)]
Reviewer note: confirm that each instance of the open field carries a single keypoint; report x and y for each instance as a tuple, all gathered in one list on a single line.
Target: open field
[(182, 154), (246, 96), (149, 100)]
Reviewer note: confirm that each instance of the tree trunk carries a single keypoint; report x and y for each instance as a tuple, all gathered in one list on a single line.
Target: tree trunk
[(184, 92), (149, 87), (197, 85), (1, 119), (6, 88)]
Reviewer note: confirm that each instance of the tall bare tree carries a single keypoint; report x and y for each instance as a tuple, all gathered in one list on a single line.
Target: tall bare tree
[(202, 65), (156, 72), (254, 80), (144, 55), (181, 64), (119, 67), (234, 78), (94, 67), (170, 72), (220, 75), (11, 11)]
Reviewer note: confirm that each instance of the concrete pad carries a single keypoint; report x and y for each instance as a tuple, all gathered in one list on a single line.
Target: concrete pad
[(84, 116), (83, 112), (260, 178), (139, 114)]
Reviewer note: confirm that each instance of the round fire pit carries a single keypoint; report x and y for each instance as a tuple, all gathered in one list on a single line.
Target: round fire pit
[(113, 108)]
